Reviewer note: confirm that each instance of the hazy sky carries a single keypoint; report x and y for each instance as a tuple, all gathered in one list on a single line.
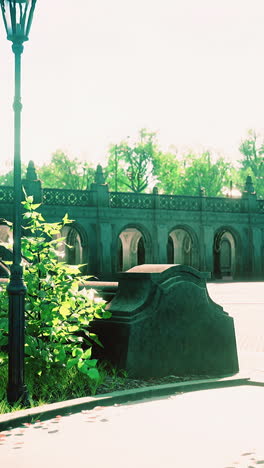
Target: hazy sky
[(96, 72)]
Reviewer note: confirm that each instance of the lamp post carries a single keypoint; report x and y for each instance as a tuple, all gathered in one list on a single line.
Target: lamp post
[(17, 16)]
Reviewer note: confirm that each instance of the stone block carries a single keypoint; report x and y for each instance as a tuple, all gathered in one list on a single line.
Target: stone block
[(164, 322)]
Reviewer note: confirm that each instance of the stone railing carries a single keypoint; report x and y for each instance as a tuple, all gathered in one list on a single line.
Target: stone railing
[(178, 202), (131, 200), (6, 194), (66, 197), (226, 205), (99, 196), (175, 202), (260, 206)]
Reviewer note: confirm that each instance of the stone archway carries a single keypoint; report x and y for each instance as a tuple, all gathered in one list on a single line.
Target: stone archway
[(182, 247), (132, 249), (225, 257), (72, 252)]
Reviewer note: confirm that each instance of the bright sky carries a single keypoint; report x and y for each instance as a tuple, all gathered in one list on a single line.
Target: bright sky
[(96, 72)]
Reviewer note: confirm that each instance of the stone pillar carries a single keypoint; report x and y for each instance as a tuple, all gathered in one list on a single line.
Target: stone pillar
[(162, 239), (257, 252), (99, 189), (202, 245), (100, 199), (154, 251), (104, 250), (249, 194), (156, 198), (208, 232), (32, 184)]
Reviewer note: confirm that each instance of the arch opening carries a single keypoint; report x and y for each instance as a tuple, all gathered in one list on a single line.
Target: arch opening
[(71, 251), (131, 249), (224, 255), (181, 248)]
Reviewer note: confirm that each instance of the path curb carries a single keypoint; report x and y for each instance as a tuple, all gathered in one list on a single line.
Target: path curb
[(11, 420), (256, 383)]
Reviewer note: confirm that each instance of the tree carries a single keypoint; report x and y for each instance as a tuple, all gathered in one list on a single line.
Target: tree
[(169, 172), (63, 172), (201, 172), (8, 177), (252, 150), (129, 167), (187, 175)]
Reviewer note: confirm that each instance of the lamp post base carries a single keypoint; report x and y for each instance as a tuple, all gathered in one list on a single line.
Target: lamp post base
[(18, 394), (16, 389)]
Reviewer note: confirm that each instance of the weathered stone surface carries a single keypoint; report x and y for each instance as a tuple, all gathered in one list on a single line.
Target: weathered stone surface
[(164, 322)]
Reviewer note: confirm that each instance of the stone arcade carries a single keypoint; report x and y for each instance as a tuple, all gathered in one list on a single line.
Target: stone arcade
[(115, 231)]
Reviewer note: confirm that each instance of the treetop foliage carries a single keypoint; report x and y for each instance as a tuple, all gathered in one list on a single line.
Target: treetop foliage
[(252, 162), (130, 166), (63, 172), (138, 166)]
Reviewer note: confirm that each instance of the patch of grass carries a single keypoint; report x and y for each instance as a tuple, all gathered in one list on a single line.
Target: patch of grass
[(114, 379), (60, 384), (3, 377), (53, 385), (4, 405)]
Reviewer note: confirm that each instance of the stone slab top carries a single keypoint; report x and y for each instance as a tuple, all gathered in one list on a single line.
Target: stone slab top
[(102, 284), (162, 270), (151, 268)]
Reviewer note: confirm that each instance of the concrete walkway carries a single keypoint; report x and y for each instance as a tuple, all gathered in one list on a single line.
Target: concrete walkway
[(205, 429), (216, 428)]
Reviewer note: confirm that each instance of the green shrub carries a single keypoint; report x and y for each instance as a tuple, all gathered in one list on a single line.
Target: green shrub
[(58, 308)]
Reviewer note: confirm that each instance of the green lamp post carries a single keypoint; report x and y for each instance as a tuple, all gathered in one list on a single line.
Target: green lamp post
[(17, 16)]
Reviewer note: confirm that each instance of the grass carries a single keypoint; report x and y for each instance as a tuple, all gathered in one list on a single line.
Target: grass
[(59, 384)]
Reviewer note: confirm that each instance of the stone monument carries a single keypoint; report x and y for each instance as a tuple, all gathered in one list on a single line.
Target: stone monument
[(164, 322)]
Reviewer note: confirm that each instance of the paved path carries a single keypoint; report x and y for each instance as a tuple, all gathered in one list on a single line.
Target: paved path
[(245, 303), (207, 429), (220, 428)]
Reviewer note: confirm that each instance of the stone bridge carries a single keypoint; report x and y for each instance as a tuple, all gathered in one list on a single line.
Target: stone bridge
[(114, 231)]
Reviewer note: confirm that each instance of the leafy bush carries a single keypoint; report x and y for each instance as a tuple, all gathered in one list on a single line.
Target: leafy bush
[(59, 309)]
